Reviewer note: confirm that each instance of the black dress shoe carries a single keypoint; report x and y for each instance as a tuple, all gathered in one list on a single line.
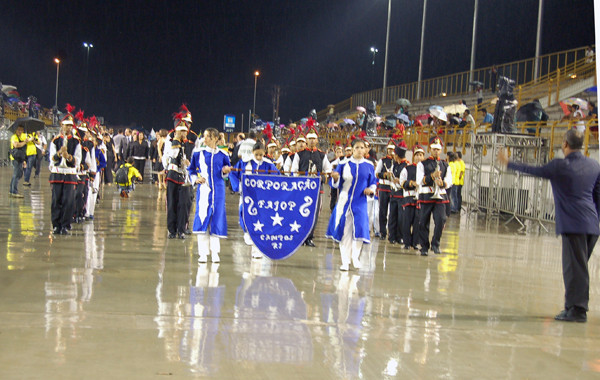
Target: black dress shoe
[(423, 253), (309, 243), (182, 236), (393, 241), (573, 314), (382, 237), (56, 230), (187, 232), (172, 236), (436, 250), (64, 231)]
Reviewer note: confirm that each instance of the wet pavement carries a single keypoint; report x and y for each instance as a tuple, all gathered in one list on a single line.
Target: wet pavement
[(117, 299)]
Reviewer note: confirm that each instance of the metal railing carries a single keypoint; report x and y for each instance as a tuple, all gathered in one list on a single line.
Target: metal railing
[(459, 83)]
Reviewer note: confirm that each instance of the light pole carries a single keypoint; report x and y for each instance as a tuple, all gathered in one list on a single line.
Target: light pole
[(256, 74), (57, 61), (387, 45), (88, 46), (374, 52)]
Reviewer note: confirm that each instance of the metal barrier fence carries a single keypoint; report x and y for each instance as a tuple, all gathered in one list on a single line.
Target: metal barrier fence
[(494, 191)]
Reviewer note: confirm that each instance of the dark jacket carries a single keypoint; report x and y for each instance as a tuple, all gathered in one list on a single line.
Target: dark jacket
[(575, 183), (138, 150)]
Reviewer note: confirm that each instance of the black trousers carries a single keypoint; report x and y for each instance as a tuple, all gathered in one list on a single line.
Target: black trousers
[(384, 202), (81, 195), (410, 226), (459, 196), (576, 252), (438, 210), (395, 221), (140, 165), (333, 199), (188, 195), (63, 199), (176, 208), (318, 211)]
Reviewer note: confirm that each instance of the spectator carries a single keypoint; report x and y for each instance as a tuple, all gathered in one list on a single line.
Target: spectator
[(31, 152), (41, 145), (589, 55), (493, 78), (479, 93), (17, 141), (468, 118), (119, 140), (458, 180), (139, 151), (234, 153), (124, 177), (488, 118)]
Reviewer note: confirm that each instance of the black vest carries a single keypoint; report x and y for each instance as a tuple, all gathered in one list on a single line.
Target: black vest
[(310, 161), (397, 169), (429, 166), (72, 143)]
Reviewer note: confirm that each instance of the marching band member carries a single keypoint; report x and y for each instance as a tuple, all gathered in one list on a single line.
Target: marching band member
[(65, 156), (410, 188), (175, 162), (339, 156), (296, 147), (87, 165), (397, 194), (384, 172), (258, 164), (285, 152), (95, 177), (208, 168), (349, 222), (433, 177), (311, 161)]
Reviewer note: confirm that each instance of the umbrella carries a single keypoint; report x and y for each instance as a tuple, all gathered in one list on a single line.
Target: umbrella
[(439, 108), (476, 83), (580, 102), (361, 109), (6, 88), (404, 118), (455, 108), (402, 102), (532, 112), (440, 114), (349, 121), (31, 124)]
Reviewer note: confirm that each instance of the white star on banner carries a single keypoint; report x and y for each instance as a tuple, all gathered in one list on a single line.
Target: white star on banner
[(277, 219), (295, 227), (258, 226)]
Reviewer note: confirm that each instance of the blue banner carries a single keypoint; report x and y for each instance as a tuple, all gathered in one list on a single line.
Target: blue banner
[(279, 212)]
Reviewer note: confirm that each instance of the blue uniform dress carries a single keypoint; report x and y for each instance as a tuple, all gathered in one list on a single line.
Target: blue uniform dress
[(210, 196), (355, 177), (266, 166)]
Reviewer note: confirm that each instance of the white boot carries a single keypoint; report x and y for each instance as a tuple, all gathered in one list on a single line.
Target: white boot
[(215, 257)]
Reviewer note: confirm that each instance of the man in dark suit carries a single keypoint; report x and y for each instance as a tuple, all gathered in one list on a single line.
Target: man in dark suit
[(575, 183)]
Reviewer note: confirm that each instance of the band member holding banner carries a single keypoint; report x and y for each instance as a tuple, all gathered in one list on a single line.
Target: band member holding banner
[(258, 164), (410, 188), (208, 168), (175, 162), (434, 177), (349, 222), (65, 156), (311, 161)]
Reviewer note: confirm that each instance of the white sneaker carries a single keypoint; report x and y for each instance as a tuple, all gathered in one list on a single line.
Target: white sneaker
[(202, 259), (344, 267), (215, 258), (356, 263)]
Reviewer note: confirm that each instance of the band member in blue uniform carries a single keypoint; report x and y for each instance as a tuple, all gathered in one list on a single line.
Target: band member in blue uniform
[(410, 188), (349, 222), (434, 177), (175, 162), (208, 168), (311, 161), (257, 165), (397, 194), (65, 157)]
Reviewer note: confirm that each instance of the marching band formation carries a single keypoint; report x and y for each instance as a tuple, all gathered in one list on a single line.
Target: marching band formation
[(393, 197)]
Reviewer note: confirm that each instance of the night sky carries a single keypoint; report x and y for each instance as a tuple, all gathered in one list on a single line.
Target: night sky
[(151, 56)]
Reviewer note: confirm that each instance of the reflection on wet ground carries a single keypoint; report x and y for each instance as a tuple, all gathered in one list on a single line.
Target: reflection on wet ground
[(118, 299)]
